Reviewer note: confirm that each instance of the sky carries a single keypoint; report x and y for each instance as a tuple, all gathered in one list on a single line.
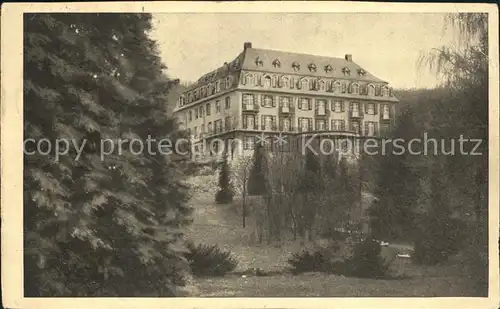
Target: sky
[(386, 44)]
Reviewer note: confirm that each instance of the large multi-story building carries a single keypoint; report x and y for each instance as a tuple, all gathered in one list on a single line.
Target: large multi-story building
[(274, 92)]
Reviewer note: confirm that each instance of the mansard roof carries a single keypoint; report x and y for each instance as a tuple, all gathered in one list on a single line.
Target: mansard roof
[(281, 62), (319, 66)]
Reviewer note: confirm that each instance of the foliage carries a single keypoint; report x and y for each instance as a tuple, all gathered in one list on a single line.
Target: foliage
[(364, 261), (225, 193), (257, 181), (436, 186), (210, 260), (367, 261), (440, 238), (311, 179), (308, 261), (98, 227)]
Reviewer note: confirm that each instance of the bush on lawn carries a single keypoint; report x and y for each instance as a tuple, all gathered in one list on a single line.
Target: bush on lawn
[(367, 261), (363, 260), (209, 260), (308, 261)]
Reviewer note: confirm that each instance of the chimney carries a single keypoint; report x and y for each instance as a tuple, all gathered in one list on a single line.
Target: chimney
[(348, 57), (247, 45)]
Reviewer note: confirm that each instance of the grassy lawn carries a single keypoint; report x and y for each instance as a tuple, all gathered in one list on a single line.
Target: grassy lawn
[(218, 224), (322, 285)]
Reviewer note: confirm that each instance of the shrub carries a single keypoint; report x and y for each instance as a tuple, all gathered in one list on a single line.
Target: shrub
[(438, 239), (209, 260), (367, 261), (307, 261)]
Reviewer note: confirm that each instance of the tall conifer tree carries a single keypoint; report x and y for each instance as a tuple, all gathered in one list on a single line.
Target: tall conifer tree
[(99, 227)]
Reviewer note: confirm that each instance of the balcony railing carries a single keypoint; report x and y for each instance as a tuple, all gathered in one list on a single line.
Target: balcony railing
[(355, 114), (251, 108), (322, 113), (286, 110)]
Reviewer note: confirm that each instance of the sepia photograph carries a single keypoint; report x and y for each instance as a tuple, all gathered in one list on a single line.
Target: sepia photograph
[(249, 151)]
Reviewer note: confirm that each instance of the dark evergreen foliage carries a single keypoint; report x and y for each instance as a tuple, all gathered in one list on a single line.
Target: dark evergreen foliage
[(210, 260), (308, 261), (257, 181), (225, 193), (97, 227), (367, 261)]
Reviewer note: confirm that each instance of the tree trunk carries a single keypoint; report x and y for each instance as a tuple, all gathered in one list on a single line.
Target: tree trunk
[(244, 206)]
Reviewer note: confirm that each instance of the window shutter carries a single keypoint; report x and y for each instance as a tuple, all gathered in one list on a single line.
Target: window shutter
[(342, 106), (245, 122), (366, 107), (366, 128), (273, 123), (262, 122), (291, 102), (274, 100), (309, 104), (333, 105), (326, 125), (342, 125), (273, 81), (310, 124), (299, 104), (375, 128), (292, 82), (350, 107), (281, 124), (376, 106)]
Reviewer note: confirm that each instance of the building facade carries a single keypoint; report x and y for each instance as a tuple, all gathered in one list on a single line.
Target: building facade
[(270, 93)]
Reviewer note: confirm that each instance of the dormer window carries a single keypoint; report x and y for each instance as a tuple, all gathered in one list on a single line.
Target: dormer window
[(346, 71), (361, 72), (276, 63), (371, 90), (355, 88), (321, 85), (259, 62), (328, 68), (336, 87), (384, 91), (296, 66), (312, 67)]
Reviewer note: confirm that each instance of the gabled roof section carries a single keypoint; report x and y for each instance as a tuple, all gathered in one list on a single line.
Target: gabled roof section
[(304, 64), (221, 72)]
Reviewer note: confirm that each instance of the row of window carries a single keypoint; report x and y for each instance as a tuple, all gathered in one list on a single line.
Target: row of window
[(218, 126), (305, 124), (311, 67), (206, 91), (206, 109), (250, 101), (287, 82), (305, 83)]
